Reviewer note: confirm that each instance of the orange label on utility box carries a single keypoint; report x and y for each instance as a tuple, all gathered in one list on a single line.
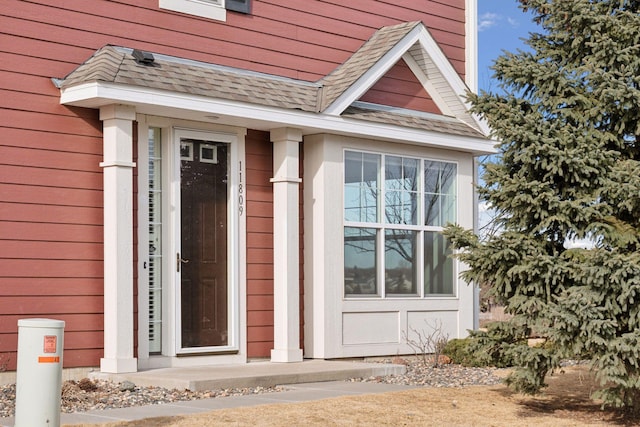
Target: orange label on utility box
[(45, 359), (50, 343)]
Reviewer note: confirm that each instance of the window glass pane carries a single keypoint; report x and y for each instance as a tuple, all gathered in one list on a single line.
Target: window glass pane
[(448, 178), (401, 173), (400, 262), (370, 168), (393, 173), (401, 207), (361, 187), (431, 176), (440, 193), (393, 207), (352, 167), (360, 261), (410, 174), (448, 206), (438, 265), (401, 184), (432, 209)]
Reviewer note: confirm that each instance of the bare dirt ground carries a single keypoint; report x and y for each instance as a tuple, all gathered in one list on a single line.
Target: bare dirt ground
[(565, 402)]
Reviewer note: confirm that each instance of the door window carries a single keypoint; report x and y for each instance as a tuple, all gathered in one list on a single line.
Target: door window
[(202, 260)]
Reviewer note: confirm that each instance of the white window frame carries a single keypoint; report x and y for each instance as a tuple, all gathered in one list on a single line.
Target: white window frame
[(212, 9), (381, 225)]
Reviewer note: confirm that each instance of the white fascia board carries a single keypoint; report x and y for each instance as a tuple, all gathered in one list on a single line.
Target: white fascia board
[(442, 63), (371, 76), (457, 85), (97, 94)]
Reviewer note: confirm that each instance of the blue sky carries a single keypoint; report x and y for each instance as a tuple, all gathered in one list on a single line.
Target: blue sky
[(501, 26)]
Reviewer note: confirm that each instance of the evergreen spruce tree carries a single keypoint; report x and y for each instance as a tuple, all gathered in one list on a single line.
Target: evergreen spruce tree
[(568, 122)]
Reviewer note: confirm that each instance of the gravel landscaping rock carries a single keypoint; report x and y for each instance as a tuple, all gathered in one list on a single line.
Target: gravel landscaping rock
[(79, 396), (445, 375), (86, 394)]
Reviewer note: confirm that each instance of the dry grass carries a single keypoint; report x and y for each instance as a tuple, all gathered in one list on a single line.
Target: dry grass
[(564, 403)]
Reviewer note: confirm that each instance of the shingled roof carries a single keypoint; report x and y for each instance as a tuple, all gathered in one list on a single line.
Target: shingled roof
[(362, 60), (408, 118), (117, 65)]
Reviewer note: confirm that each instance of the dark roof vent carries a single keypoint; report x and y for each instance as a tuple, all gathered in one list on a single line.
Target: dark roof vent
[(142, 57)]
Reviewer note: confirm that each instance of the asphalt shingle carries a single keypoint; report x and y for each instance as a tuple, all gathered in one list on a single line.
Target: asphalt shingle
[(112, 64), (362, 60)]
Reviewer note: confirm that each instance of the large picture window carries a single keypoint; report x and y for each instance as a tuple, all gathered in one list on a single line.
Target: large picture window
[(394, 210)]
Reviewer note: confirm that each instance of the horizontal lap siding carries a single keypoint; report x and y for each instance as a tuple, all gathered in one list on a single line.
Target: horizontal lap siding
[(50, 181), (400, 88), (259, 244), (285, 37), (51, 234), (259, 157)]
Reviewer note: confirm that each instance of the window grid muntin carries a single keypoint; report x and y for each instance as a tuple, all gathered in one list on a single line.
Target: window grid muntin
[(382, 225)]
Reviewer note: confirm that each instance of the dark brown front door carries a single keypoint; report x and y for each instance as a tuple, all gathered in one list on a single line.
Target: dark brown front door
[(203, 258)]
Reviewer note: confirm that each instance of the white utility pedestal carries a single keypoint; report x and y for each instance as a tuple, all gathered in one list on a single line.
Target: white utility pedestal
[(39, 372)]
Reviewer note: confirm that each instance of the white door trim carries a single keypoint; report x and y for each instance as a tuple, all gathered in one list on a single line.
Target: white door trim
[(232, 210), (236, 353)]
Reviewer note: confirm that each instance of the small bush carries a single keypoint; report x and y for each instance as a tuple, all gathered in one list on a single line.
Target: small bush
[(460, 353), (480, 350)]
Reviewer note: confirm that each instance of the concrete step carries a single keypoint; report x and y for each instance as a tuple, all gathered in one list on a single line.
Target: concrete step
[(254, 374)]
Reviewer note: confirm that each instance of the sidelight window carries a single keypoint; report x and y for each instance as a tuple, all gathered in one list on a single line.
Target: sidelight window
[(155, 241)]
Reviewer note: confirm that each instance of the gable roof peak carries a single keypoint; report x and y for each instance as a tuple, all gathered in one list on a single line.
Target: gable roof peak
[(359, 67), (412, 42)]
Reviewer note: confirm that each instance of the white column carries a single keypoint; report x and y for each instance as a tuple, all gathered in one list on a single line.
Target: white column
[(118, 238), (286, 245)]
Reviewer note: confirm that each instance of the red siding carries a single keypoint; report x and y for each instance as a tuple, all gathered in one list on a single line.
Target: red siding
[(287, 37), (50, 181), (400, 88), (259, 244)]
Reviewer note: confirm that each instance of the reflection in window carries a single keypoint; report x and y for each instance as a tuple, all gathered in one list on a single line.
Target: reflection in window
[(401, 190), (394, 211), (439, 193), (400, 262), (361, 171), (360, 261), (438, 265)]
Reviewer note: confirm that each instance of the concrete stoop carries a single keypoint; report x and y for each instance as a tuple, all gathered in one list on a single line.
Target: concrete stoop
[(254, 374)]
